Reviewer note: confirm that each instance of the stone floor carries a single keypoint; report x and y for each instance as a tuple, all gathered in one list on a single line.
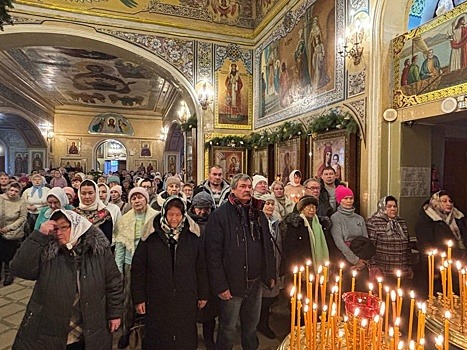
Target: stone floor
[(14, 298)]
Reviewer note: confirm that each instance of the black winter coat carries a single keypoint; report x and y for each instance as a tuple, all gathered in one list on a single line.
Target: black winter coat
[(226, 250), (171, 294), (296, 246), (45, 325)]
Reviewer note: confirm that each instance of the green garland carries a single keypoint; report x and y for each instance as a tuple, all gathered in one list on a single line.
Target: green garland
[(191, 123), (5, 17), (333, 119)]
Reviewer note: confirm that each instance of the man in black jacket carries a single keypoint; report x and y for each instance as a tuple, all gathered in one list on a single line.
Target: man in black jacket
[(240, 258)]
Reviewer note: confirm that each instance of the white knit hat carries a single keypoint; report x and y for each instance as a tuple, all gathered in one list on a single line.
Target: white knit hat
[(257, 179)]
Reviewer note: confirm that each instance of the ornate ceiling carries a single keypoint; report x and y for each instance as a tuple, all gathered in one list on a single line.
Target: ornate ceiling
[(80, 77)]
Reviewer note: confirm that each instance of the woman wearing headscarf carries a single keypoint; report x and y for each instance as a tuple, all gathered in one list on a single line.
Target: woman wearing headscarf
[(126, 238), (439, 222), (294, 189), (349, 233), (169, 278), (77, 299), (116, 198), (13, 213), (303, 237), (56, 199), (92, 208), (283, 205), (36, 199), (388, 232), (104, 196)]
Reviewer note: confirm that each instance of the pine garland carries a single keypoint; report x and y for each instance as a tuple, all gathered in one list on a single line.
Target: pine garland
[(5, 17), (191, 123), (334, 119)]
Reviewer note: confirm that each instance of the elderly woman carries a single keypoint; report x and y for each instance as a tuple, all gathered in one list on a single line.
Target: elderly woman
[(169, 278), (283, 205), (350, 235), (269, 295), (172, 188), (92, 208), (12, 219), (35, 198), (294, 189), (388, 232), (439, 222), (77, 299), (56, 199), (126, 237), (303, 237)]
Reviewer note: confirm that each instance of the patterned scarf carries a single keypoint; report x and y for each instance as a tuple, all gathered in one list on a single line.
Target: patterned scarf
[(173, 233), (393, 225), (251, 224)]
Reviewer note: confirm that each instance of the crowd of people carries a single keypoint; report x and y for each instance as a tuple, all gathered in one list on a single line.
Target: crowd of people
[(108, 250)]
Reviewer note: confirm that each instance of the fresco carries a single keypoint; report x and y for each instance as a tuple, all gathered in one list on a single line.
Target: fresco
[(110, 123), (83, 77), (298, 67), (430, 62)]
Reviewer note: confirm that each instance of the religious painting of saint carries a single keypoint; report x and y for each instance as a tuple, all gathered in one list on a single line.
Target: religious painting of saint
[(232, 161), (145, 149), (260, 161), (234, 104), (19, 163), (430, 63), (172, 162), (37, 159), (73, 146), (287, 159)]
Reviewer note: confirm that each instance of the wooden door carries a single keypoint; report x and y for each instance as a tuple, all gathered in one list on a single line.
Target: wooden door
[(455, 172)]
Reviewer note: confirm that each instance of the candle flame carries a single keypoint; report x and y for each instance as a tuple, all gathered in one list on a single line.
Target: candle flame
[(325, 308), (430, 253), (320, 269), (459, 265), (346, 319), (424, 308), (386, 289), (412, 294), (292, 292), (356, 312), (341, 265), (435, 251), (299, 296), (412, 345), (370, 286), (393, 295), (398, 273), (308, 262), (295, 269), (398, 322), (376, 319), (422, 341), (379, 279), (334, 309), (305, 309), (321, 280), (341, 333), (326, 264), (401, 345), (443, 254), (441, 268), (312, 277), (337, 279), (302, 269), (315, 306), (391, 332), (382, 309), (354, 273), (364, 322), (307, 301), (400, 293), (439, 340), (450, 243), (447, 314)]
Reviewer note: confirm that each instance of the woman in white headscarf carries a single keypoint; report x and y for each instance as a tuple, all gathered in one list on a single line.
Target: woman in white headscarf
[(92, 208), (104, 196), (56, 199), (77, 290), (294, 189)]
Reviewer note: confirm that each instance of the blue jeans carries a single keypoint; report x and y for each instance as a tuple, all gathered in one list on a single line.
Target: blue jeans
[(249, 308)]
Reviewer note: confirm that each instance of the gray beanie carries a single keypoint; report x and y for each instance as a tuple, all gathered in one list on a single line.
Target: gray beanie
[(202, 200)]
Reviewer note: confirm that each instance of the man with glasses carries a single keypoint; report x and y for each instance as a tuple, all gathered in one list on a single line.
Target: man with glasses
[(215, 185), (313, 188), (147, 184)]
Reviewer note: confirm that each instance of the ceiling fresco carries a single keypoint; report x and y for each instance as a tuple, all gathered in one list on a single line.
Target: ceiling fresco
[(76, 76), (239, 13)]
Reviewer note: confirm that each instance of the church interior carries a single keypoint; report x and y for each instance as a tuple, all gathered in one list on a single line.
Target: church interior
[(256, 86)]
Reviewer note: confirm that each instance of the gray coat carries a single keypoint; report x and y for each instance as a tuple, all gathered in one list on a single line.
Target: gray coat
[(45, 324)]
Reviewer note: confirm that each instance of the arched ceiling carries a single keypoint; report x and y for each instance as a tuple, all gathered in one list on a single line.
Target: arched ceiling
[(14, 124)]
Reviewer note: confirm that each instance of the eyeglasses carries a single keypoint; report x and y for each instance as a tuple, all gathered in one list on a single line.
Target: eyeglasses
[(313, 188), (63, 228)]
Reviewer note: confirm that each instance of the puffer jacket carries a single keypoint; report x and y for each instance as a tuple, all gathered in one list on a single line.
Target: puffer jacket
[(45, 324)]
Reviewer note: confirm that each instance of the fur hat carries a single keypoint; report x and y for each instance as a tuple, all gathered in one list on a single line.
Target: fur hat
[(342, 192), (140, 190), (113, 179), (172, 180), (306, 200), (202, 200), (117, 188), (257, 179)]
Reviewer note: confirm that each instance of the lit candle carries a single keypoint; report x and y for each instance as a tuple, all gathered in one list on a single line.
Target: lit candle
[(346, 330), (412, 305), (341, 267), (299, 290), (307, 275), (398, 274), (331, 297), (307, 324), (295, 271), (362, 334), (323, 293), (315, 323), (439, 342), (333, 326), (320, 269), (399, 302), (401, 345), (354, 330), (411, 345), (374, 333), (380, 326), (391, 338), (299, 306), (450, 291), (323, 326), (325, 274), (396, 330), (310, 282), (370, 287), (419, 322), (422, 344), (422, 330), (292, 318), (443, 257), (443, 281), (450, 244), (340, 335), (430, 254), (380, 287), (447, 316), (386, 316), (354, 273), (394, 310)]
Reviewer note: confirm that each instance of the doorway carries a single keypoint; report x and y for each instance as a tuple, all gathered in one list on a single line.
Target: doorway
[(110, 156), (455, 168)]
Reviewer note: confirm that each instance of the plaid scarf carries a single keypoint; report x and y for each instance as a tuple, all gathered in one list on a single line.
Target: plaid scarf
[(251, 223)]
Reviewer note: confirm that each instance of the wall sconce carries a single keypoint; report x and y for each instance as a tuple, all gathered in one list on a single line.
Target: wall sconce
[(205, 96), (50, 134), (351, 46), (164, 133)]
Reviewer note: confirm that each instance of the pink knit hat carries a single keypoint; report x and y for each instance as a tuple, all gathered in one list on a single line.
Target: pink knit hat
[(140, 190), (342, 192), (117, 188)]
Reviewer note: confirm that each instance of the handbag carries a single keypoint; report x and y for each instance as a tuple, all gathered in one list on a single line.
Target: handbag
[(363, 247), (137, 333)]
